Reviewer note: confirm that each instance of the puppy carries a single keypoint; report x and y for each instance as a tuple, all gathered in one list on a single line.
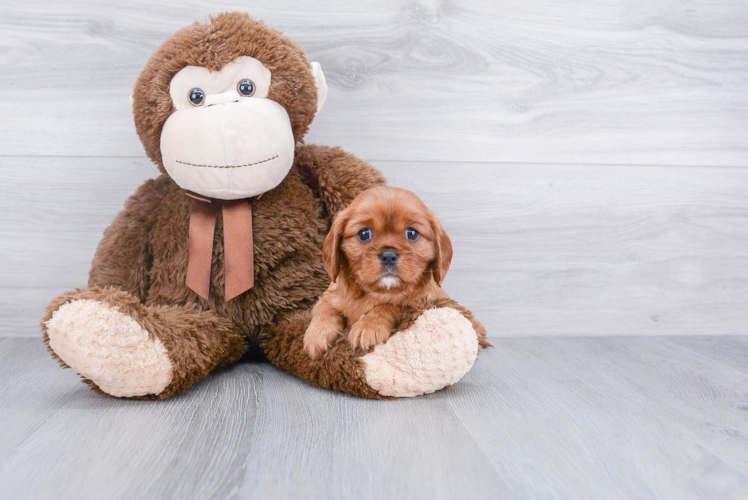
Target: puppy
[(384, 252)]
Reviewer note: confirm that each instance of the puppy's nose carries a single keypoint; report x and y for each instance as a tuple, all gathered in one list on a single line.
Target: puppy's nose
[(388, 258)]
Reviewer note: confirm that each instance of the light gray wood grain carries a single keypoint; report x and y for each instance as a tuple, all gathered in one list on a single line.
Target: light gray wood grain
[(609, 413), (582, 418), (603, 82), (21, 309), (54, 212), (539, 250), (534, 129)]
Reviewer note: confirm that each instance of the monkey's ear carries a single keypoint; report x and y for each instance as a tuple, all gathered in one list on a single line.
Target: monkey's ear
[(443, 246), (331, 249), (319, 80)]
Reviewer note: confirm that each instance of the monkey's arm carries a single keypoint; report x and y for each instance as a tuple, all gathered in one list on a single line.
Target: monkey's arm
[(434, 346), (123, 257), (335, 176), (339, 368)]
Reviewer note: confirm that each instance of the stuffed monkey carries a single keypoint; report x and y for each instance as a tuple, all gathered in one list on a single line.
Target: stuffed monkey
[(219, 258)]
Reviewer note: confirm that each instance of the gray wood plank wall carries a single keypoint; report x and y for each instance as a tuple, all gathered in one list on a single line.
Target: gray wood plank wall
[(589, 159)]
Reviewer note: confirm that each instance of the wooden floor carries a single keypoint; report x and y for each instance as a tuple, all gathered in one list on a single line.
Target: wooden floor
[(579, 418)]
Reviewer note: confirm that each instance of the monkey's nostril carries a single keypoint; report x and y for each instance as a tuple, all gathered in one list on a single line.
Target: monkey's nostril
[(389, 258)]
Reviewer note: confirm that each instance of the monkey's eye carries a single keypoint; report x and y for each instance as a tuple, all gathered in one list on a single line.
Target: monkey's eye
[(411, 234), (197, 97), (365, 234), (246, 87)]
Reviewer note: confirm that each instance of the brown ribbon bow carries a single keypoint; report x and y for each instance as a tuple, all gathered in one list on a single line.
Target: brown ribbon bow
[(238, 258)]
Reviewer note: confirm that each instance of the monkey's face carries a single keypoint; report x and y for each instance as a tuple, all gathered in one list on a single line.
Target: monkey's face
[(226, 139), (221, 104)]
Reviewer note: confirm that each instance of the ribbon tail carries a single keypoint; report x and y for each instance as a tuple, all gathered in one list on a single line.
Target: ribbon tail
[(202, 229), (238, 257)]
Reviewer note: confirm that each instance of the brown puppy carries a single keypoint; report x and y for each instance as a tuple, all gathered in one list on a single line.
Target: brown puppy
[(386, 251)]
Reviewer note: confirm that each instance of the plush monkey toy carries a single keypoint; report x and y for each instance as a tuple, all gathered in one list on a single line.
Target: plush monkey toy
[(219, 258)]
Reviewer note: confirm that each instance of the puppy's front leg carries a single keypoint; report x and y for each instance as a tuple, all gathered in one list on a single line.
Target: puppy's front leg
[(375, 327), (327, 323)]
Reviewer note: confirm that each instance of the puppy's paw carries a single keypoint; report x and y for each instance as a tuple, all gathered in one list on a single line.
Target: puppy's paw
[(319, 337), (368, 332)]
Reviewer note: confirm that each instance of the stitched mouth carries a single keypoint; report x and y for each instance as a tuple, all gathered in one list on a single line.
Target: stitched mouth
[(226, 166)]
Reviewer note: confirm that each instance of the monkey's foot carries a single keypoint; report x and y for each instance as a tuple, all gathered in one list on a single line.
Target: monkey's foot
[(109, 348), (434, 352)]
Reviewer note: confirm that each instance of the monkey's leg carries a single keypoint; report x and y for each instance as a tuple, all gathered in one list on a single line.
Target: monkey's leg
[(123, 348), (435, 346)]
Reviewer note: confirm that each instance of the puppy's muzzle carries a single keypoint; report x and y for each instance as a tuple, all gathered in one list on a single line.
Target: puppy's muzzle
[(389, 258)]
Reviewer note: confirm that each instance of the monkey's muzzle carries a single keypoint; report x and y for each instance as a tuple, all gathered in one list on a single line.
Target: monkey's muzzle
[(228, 149)]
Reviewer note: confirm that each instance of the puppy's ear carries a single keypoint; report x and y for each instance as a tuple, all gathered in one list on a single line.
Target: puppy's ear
[(331, 248), (443, 246)]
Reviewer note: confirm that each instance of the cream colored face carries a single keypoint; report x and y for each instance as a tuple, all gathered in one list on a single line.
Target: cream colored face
[(226, 139)]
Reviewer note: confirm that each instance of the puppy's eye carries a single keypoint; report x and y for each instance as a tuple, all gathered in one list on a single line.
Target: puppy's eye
[(246, 87), (197, 97), (411, 234), (365, 234)]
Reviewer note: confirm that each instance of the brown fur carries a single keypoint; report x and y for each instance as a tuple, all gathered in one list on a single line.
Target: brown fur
[(191, 335), (143, 258), (140, 264), (358, 297), (340, 367), (213, 45)]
